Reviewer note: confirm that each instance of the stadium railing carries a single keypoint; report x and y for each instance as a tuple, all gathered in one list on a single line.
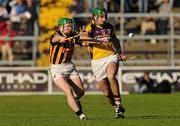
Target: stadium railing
[(171, 37)]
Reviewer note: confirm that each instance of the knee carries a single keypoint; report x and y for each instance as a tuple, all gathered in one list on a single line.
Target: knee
[(111, 77)]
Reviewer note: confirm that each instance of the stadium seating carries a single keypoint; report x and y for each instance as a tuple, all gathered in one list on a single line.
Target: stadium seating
[(51, 10)]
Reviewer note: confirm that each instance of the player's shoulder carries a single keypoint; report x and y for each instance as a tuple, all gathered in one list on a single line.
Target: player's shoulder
[(89, 26), (56, 32), (109, 25)]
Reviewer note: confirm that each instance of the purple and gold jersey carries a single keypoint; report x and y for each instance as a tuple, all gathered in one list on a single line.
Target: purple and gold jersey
[(98, 51)]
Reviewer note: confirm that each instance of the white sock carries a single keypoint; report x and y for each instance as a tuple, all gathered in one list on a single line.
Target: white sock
[(118, 103)]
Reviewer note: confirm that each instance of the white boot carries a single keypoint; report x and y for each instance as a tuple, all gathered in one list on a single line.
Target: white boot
[(82, 117)]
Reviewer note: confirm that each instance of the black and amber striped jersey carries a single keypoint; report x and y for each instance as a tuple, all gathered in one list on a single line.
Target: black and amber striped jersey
[(61, 52)]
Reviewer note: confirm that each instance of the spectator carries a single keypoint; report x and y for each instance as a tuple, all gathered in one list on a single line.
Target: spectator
[(148, 27), (2, 24), (131, 6), (6, 45), (12, 3), (18, 16), (3, 13), (164, 87), (113, 5), (165, 7), (143, 6), (77, 7), (152, 6), (31, 8), (101, 3), (3, 2), (145, 84)]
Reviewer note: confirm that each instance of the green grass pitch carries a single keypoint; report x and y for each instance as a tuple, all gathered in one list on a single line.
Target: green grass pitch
[(141, 110)]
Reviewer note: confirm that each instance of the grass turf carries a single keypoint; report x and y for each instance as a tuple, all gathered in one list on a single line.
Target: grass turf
[(141, 110)]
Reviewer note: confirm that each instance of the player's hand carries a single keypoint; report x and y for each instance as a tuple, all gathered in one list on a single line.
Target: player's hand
[(83, 32), (122, 57), (62, 39), (85, 44)]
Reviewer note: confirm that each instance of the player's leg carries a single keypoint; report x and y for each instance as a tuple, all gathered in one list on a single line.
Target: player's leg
[(105, 87), (99, 72), (112, 70), (78, 88), (63, 84)]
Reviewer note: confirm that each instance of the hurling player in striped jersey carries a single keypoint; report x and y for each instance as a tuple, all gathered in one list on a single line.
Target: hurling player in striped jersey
[(62, 69)]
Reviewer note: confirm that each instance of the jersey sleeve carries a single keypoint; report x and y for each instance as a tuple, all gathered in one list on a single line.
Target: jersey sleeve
[(89, 29), (115, 42), (51, 37)]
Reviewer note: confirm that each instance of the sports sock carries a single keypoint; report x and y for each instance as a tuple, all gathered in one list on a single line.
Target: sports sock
[(111, 99), (79, 103), (117, 99), (79, 112)]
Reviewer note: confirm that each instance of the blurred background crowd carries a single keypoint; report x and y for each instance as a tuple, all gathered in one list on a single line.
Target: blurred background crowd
[(21, 13), (17, 18), (29, 23)]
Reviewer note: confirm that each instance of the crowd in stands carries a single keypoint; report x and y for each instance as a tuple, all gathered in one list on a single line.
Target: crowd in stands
[(22, 14), (149, 25), (17, 18), (130, 6), (6, 46), (145, 6), (157, 24)]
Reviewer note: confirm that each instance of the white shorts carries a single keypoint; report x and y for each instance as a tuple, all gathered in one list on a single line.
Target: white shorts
[(63, 70), (99, 66)]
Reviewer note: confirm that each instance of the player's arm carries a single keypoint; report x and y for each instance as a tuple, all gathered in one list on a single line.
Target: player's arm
[(58, 38), (76, 40), (116, 44), (86, 40), (117, 47), (86, 36)]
